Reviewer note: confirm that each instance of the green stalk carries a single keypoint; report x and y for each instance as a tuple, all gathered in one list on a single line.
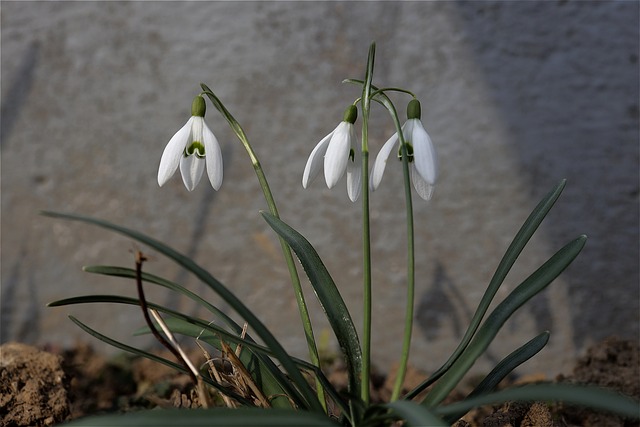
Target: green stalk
[(366, 274), (383, 99), (286, 251), (408, 319), (366, 234)]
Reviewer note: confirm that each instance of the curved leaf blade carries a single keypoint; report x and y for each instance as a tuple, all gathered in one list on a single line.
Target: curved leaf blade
[(532, 285), (328, 296), (506, 365), (512, 253), (509, 363)]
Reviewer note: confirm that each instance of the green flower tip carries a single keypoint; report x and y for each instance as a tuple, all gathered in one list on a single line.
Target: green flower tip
[(350, 114), (196, 148), (198, 106), (413, 109)]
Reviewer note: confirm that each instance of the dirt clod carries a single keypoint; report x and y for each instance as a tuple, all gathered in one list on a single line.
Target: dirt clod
[(614, 364), (32, 387)]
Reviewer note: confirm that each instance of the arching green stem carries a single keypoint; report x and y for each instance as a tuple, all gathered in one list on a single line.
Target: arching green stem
[(295, 279), (383, 99)]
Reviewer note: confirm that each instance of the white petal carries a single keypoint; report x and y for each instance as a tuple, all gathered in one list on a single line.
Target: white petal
[(191, 168), (337, 155), (354, 169), (173, 152), (424, 155), (423, 188), (381, 162), (213, 156), (407, 130), (315, 161)]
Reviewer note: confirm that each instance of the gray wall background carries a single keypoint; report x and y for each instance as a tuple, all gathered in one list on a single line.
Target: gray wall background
[(515, 96)]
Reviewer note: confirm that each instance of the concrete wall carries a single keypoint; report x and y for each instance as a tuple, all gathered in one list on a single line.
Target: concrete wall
[(515, 96)]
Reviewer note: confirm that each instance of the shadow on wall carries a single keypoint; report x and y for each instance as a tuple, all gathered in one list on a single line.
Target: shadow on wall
[(26, 324), (564, 79), (19, 84)]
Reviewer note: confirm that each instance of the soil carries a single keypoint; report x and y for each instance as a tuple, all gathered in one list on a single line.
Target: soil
[(43, 387)]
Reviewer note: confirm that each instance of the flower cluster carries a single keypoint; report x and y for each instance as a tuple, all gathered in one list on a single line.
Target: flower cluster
[(195, 147), (339, 147)]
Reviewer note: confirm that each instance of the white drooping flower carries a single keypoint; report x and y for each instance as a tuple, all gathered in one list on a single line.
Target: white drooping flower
[(423, 162), (192, 148), (337, 152)]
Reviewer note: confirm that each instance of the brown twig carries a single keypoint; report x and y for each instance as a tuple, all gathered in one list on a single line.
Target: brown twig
[(140, 258)]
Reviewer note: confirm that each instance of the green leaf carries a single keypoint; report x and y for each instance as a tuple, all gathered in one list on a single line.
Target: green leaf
[(535, 283), (328, 295), (415, 414), (506, 365), (130, 273), (198, 323), (523, 236), (310, 400), (589, 396), (223, 417), (509, 363)]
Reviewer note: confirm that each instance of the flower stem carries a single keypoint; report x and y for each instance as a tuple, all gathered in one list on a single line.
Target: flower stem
[(366, 234), (408, 322), (408, 319), (295, 279)]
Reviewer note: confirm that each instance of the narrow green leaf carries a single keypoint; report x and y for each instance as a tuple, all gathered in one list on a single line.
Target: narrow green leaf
[(509, 363), (200, 324), (222, 417), (535, 283), (523, 236), (130, 273), (311, 400), (589, 396), (328, 295), (506, 365), (415, 414)]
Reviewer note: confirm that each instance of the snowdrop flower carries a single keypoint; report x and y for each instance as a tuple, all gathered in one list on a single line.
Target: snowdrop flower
[(423, 163), (193, 146), (337, 151)]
